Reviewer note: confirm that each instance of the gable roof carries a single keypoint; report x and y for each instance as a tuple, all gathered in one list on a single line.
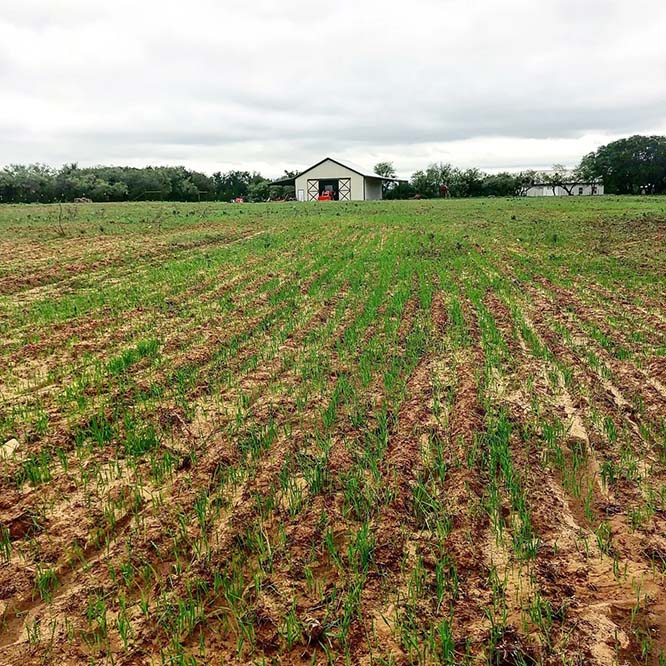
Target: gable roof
[(349, 166), (346, 164)]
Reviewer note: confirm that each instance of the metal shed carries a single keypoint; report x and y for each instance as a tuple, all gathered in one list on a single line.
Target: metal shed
[(345, 182)]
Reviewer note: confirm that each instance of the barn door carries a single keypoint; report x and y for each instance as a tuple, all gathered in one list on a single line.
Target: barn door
[(313, 190), (344, 189)]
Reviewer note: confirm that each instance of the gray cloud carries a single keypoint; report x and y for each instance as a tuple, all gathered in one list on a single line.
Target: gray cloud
[(273, 85)]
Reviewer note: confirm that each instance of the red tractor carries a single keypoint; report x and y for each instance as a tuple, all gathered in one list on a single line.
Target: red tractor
[(326, 195)]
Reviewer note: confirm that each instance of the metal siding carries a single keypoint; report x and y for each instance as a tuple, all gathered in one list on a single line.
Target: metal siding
[(373, 189)]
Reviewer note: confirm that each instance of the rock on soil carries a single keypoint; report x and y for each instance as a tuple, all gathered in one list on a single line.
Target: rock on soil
[(8, 448)]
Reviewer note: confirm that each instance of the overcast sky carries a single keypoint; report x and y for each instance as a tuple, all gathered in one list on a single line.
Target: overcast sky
[(259, 84)]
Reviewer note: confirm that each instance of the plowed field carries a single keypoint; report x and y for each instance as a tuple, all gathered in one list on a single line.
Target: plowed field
[(384, 433)]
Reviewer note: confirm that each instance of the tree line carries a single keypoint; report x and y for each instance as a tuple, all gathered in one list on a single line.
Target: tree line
[(37, 183), (635, 165)]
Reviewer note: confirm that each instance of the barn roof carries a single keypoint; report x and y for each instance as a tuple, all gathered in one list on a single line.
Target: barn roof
[(346, 164)]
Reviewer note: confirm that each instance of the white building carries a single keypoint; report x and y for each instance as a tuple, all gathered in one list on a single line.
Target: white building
[(570, 186), (344, 180), (576, 189)]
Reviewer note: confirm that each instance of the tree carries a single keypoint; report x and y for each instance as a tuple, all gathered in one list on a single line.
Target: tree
[(467, 183), (427, 183), (27, 183), (422, 185), (525, 180), (502, 184), (281, 192), (231, 185), (385, 170), (559, 177), (401, 190), (259, 190), (633, 165)]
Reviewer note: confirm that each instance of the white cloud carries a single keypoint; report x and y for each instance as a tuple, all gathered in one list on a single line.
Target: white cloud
[(267, 85)]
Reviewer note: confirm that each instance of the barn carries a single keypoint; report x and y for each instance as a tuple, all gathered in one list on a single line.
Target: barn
[(343, 180)]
